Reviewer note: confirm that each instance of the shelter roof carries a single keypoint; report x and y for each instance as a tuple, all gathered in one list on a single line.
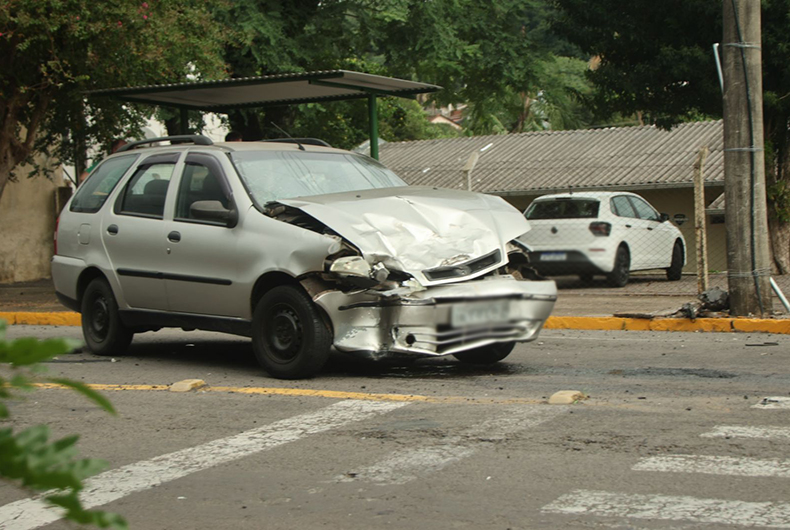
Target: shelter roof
[(270, 90)]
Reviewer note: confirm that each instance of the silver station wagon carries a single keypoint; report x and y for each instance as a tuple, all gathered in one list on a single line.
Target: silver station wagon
[(301, 247)]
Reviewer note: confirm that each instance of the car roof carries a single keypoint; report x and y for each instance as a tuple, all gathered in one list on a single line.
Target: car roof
[(600, 195)]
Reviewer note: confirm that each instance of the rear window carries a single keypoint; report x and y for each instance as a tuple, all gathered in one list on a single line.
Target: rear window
[(563, 209), (92, 193)]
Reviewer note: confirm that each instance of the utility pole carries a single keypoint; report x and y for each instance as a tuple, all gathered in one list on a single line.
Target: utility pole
[(748, 256)]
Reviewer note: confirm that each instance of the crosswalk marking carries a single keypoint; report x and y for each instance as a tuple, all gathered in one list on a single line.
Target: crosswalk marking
[(715, 465), (117, 483), (672, 508), (775, 402), (401, 467), (737, 431)]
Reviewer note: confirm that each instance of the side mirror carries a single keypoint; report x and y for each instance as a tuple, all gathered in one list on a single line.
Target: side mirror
[(664, 217), (214, 211)]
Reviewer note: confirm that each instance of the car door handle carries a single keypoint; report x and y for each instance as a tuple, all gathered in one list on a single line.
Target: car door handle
[(112, 229), (174, 236), (628, 226), (649, 227)]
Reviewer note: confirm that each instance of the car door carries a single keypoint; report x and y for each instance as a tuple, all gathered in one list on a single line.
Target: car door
[(202, 257), (658, 236), (133, 233), (630, 228)]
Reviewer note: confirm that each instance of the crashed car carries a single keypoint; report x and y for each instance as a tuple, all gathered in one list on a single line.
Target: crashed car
[(298, 245)]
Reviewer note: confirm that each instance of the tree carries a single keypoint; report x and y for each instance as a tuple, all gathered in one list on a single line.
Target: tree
[(656, 58), (482, 53), (28, 458), (52, 51)]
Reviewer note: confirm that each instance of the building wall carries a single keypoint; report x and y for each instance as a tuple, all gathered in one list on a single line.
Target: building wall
[(27, 225), (673, 202)]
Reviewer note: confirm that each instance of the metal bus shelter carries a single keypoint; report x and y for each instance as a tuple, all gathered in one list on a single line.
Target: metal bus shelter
[(274, 90)]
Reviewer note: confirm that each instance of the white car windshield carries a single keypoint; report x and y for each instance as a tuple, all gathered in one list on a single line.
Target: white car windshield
[(274, 175)]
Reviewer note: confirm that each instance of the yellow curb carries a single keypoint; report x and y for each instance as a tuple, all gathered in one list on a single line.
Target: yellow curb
[(66, 318), (55, 318), (671, 324)]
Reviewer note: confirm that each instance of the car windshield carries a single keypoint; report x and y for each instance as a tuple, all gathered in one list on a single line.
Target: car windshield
[(275, 175), (563, 209)]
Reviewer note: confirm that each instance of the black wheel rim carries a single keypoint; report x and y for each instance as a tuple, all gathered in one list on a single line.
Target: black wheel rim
[(100, 318), (285, 333)]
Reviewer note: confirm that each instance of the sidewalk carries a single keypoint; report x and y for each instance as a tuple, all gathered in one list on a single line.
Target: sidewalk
[(578, 306)]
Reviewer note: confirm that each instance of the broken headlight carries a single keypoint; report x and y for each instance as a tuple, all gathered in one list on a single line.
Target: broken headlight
[(357, 272)]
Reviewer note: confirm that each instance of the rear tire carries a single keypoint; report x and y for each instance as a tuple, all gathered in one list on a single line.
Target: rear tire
[(289, 336), (490, 354), (621, 271), (675, 270), (102, 328)]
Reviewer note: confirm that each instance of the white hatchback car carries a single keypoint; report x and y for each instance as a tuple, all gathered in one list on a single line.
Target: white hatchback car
[(298, 245), (609, 233)]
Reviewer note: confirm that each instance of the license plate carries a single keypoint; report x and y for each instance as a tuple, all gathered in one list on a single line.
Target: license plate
[(553, 256), (480, 313)]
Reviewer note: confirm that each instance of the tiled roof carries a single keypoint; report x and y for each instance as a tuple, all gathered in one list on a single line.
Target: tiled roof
[(613, 158)]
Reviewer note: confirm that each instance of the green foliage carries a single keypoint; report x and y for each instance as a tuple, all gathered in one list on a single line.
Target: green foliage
[(28, 457), (52, 51), (655, 57)]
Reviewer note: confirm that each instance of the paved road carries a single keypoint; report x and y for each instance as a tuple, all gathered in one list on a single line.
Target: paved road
[(669, 438)]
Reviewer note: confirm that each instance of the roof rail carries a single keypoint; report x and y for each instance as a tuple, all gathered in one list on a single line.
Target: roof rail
[(306, 141), (196, 139)]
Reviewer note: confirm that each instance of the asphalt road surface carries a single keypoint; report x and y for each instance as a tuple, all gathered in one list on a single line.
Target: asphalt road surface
[(675, 433)]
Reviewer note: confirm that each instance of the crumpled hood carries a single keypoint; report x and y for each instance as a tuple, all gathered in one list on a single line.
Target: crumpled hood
[(417, 228)]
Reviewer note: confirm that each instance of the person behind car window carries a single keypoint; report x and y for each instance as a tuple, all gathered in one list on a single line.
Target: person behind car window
[(233, 136), (116, 144)]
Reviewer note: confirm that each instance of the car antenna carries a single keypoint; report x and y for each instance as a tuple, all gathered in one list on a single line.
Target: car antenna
[(301, 147)]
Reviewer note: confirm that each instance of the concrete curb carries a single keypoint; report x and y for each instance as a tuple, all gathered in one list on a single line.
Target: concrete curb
[(747, 325)]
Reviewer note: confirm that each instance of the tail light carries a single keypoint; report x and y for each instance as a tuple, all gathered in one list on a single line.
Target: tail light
[(601, 229), (57, 222)]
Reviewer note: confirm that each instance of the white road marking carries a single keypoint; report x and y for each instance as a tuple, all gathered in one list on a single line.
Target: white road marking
[(736, 431), (715, 465), (672, 508), (776, 402), (401, 467), (117, 483)]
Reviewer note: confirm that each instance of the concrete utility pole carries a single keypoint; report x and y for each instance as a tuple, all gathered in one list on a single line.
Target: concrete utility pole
[(748, 256)]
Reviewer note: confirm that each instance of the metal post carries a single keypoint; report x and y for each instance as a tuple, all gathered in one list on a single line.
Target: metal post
[(699, 221), (748, 257), (184, 122), (373, 117)]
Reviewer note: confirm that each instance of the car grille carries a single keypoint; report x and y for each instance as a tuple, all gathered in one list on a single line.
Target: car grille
[(464, 269)]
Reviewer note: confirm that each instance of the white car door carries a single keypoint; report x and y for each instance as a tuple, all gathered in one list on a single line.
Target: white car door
[(632, 230), (658, 236)]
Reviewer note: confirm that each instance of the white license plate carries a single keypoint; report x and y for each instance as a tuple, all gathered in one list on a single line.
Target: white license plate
[(553, 256), (480, 313)]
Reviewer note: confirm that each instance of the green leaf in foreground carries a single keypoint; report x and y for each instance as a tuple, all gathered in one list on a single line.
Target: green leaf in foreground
[(86, 391)]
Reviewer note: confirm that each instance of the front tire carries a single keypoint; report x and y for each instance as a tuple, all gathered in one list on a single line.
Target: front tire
[(289, 336), (102, 328), (490, 354), (621, 271), (675, 270)]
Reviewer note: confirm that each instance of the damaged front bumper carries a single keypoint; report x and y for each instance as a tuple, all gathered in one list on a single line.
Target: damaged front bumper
[(440, 320)]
